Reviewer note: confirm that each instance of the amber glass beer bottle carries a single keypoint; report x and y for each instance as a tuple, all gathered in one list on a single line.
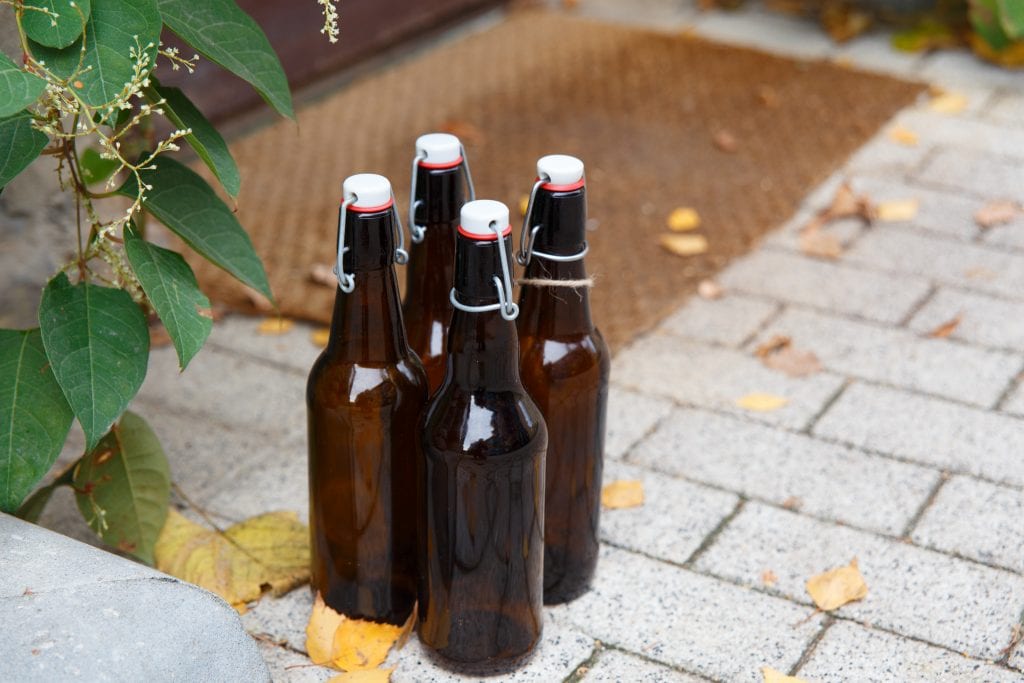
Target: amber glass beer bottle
[(481, 552), (364, 398), (436, 197), (565, 366)]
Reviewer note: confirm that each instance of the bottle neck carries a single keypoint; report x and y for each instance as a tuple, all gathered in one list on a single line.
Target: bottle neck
[(440, 194), (546, 309)]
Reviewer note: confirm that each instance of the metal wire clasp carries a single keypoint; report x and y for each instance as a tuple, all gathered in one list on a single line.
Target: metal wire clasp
[(529, 235), (346, 282), (418, 232), (509, 309)]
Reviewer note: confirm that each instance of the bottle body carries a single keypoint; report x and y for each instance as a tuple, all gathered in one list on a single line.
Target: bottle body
[(482, 481), (565, 369), (364, 397)]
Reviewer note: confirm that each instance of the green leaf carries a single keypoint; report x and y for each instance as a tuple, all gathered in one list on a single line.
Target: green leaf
[(220, 31), (1011, 17), (20, 144), (205, 139), (18, 88), (98, 344), (96, 169), (172, 289), (114, 29), (33, 507), (33, 414), (123, 487), (55, 31), (187, 205), (984, 16)]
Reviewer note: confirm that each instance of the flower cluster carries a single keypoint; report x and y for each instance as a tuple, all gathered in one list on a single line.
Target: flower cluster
[(330, 28)]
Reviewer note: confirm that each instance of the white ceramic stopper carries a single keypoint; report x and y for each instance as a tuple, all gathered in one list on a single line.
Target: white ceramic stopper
[(438, 148), (478, 216), (370, 189), (560, 169)]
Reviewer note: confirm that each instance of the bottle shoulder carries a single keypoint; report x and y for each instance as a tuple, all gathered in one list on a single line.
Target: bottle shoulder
[(565, 356), (483, 424), (342, 381)]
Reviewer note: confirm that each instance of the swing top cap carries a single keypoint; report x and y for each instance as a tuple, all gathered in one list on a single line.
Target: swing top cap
[(439, 149), (478, 216), (560, 169), (370, 189)]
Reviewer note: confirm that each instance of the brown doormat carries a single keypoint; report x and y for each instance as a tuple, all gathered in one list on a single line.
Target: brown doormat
[(648, 113)]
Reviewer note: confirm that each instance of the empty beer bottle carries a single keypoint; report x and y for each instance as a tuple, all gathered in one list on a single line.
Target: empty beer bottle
[(436, 196), (482, 478), (364, 397), (565, 369)]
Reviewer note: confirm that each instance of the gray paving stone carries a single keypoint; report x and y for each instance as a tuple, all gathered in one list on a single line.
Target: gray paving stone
[(728, 321), (912, 591), (283, 619), (688, 620), (675, 518), (1007, 235), (882, 156), (560, 652), (965, 136), (986, 321), (978, 520), (873, 51), (287, 666), (764, 463), (850, 652), (899, 357), (980, 173), (1014, 403), (1017, 658), (938, 211), (716, 378), (961, 67), (846, 231), (771, 32), (294, 348), (928, 430), (615, 666), (970, 266), (631, 415), (1007, 108), (800, 279)]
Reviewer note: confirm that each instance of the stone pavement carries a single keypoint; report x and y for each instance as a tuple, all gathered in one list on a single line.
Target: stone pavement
[(904, 451)]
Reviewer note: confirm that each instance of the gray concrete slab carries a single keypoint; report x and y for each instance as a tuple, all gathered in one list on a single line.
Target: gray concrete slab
[(615, 666), (983, 320), (728, 321)]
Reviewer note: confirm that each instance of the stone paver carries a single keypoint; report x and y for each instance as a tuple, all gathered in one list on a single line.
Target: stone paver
[(899, 357), (1007, 109), (293, 348), (839, 288), (850, 652), (821, 479), (938, 211), (1006, 235), (1017, 658), (728, 321), (984, 320), (770, 31), (978, 520), (961, 67), (688, 620), (631, 416), (1014, 403), (716, 378), (919, 593), (883, 157), (675, 518), (927, 430), (977, 140), (979, 173), (615, 666)]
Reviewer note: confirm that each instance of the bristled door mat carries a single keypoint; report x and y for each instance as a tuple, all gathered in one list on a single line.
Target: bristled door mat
[(661, 121)]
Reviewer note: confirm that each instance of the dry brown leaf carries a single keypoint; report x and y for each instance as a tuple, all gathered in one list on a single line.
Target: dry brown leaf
[(981, 273), (725, 141), (793, 362), (837, 587), (320, 336), (625, 493), (947, 328), (685, 245), (775, 676), (364, 676), (792, 503), (769, 578), (820, 244), (269, 550), (897, 210), (334, 640), (997, 213), (773, 345), (843, 21), (947, 102), (274, 326), (761, 403), (768, 97), (709, 289), (903, 136), (324, 275), (682, 219)]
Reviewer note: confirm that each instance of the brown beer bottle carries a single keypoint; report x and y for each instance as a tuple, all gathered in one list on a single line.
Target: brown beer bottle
[(565, 365), (364, 398), (436, 196), (481, 533)]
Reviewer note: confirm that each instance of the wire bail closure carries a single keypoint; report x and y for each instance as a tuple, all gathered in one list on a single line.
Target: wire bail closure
[(346, 282), (509, 309), (418, 232), (529, 235)]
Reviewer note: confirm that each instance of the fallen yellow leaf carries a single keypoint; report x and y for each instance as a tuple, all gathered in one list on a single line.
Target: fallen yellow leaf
[(821, 244), (364, 676), (769, 578), (685, 245), (626, 493), (775, 676), (267, 550), (903, 136), (837, 587), (897, 210), (762, 403), (320, 336), (349, 644), (682, 219), (524, 204), (274, 325), (946, 102)]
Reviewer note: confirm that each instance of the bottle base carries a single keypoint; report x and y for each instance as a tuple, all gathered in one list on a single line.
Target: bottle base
[(485, 641)]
